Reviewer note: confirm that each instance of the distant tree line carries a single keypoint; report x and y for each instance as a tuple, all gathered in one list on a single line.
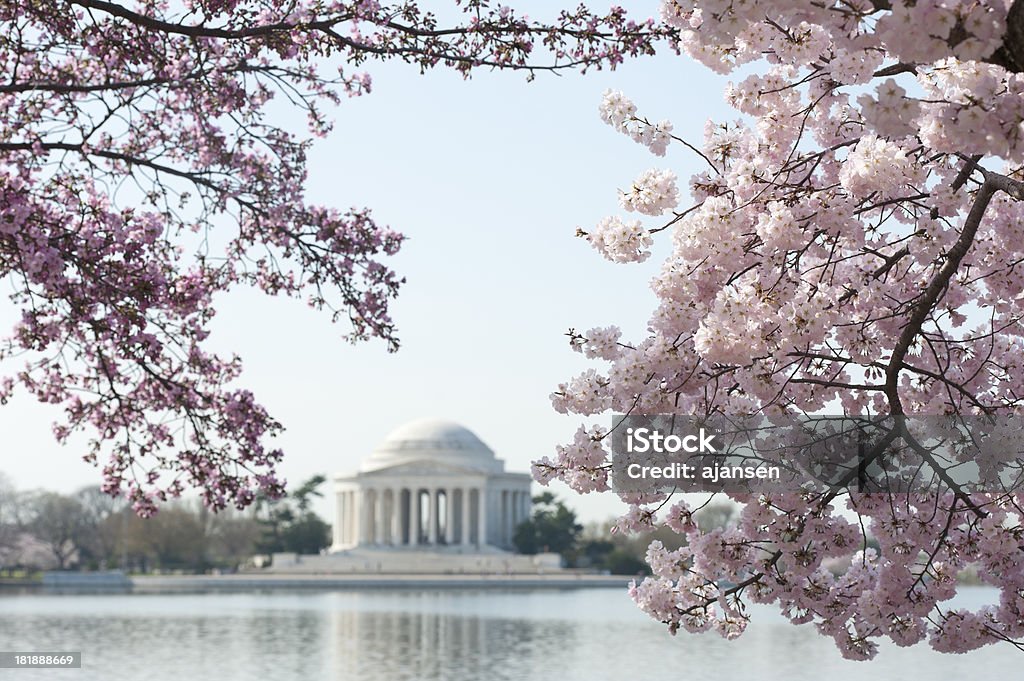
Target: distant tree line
[(90, 530), (553, 527)]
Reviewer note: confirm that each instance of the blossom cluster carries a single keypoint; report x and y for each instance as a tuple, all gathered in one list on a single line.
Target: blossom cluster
[(854, 247), (620, 241), (141, 176), (879, 166), (653, 193), (619, 112)]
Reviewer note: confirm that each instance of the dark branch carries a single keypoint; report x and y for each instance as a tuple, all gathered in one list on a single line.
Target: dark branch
[(1010, 54)]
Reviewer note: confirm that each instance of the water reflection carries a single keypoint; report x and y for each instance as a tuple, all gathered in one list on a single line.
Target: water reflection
[(583, 635), (390, 646)]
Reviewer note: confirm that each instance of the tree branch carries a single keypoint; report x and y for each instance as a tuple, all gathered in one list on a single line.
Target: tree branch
[(1010, 54), (932, 294)]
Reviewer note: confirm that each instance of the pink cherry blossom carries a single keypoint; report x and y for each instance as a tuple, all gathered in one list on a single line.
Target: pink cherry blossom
[(853, 246), (141, 176)]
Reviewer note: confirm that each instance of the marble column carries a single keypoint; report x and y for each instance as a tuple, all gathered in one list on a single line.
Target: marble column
[(449, 516), (363, 502), (504, 520), (432, 528), (414, 516), (353, 522), (513, 512), (464, 534), (481, 520), (346, 528), (378, 517), (353, 525), (350, 518), (396, 517), (339, 521), (346, 520)]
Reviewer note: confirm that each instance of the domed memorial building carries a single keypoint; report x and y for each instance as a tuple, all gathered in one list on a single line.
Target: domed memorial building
[(431, 499), (430, 485)]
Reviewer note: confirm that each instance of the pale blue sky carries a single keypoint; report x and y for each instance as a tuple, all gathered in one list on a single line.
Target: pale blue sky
[(489, 179)]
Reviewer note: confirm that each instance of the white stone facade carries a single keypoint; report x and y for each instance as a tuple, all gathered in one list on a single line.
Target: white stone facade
[(430, 484)]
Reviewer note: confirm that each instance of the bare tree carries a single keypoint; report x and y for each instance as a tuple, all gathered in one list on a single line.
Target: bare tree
[(10, 525), (102, 537), (59, 522), (233, 537), (173, 539)]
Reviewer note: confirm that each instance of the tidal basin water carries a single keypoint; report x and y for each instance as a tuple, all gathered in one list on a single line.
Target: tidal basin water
[(476, 635)]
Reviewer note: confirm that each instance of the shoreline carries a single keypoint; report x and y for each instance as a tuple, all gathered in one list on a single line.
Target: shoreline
[(186, 584), (326, 581)]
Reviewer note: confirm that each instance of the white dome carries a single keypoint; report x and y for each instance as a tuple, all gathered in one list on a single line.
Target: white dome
[(433, 440)]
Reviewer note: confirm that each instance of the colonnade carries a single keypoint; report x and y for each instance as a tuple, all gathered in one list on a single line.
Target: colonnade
[(428, 515)]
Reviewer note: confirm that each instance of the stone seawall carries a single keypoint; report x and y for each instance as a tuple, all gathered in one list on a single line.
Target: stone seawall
[(254, 582), (385, 561)]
